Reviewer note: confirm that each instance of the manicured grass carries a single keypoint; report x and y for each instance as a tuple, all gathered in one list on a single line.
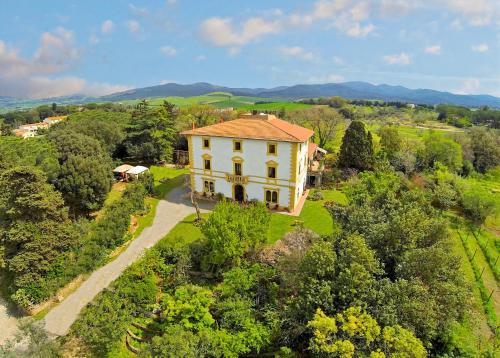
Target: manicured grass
[(314, 216), (163, 176), (185, 232)]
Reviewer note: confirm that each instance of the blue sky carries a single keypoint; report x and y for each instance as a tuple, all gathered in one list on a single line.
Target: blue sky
[(53, 48)]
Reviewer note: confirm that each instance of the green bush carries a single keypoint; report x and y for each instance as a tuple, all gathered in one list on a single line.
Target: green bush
[(477, 205), (444, 196)]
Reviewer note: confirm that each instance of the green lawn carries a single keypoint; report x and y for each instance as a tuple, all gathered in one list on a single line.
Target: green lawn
[(162, 176), (313, 215), (185, 232)]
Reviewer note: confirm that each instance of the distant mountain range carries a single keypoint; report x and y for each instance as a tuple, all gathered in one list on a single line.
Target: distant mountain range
[(350, 90)]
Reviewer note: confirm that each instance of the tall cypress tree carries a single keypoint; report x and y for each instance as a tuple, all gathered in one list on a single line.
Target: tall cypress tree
[(357, 148)]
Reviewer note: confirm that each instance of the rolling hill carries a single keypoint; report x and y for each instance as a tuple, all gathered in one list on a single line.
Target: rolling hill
[(350, 90)]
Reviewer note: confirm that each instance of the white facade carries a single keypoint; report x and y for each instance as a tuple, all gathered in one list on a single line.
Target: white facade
[(290, 161)]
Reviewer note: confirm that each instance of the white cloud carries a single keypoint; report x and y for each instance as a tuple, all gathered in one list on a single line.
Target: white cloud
[(345, 15), (222, 33), (139, 11), (398, 59), (398, 7), (234, 51), (201, 58), (171, 2), (338, 60), (475, 12), (356, 30), (456, 24), (29, 77), (298, 52), (469, 86), (134, 27), (55, 53), (169, 51), (325, 78), (94, 40), (107, 26), (433, 50), (483, 47)]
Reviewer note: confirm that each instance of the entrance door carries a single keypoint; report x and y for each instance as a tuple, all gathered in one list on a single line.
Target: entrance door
[(239, 193)]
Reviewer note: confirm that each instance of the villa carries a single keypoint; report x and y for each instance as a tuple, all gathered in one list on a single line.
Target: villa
[(254, 157), (31, 130)]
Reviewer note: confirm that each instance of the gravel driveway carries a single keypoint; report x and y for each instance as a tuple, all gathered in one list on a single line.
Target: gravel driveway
[(168, 213), (8, 322)]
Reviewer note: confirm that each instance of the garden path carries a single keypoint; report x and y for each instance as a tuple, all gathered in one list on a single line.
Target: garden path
[(175, 207)]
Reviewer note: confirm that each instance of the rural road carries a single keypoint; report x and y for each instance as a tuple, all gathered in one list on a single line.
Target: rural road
[(169, 212)]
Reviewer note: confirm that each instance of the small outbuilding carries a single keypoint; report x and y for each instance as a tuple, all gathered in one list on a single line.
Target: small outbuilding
[(315, 169), (120, 172), (135, 172)]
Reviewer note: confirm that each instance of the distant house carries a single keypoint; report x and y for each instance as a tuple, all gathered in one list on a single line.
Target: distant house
[(254, 157), (30, 130), (53, 120), (23, 133)]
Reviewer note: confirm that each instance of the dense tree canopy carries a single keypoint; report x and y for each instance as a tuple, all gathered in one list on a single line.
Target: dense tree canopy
[(85, 175), (150, 134), (107, 127), (231, 231), (410, 240), (354, 332), (441, 149), (35, 229), (38, 152)]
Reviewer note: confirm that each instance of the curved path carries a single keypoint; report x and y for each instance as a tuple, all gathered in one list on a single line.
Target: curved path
[(169, 212)]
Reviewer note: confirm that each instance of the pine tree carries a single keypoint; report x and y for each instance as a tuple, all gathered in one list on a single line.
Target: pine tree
[(357, 148)]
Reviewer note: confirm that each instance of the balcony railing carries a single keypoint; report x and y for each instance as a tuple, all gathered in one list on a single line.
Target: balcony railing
[(237, 179)]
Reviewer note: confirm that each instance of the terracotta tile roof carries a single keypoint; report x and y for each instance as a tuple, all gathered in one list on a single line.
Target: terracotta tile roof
[(31, 125), (266, 127), (57, 118), (312, 149)]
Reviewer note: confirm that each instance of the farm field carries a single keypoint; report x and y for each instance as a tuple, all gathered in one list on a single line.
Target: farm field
[(225, 100)]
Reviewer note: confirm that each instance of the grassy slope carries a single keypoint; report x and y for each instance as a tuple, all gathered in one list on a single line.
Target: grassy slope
[(225, 100), (313, 215)]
